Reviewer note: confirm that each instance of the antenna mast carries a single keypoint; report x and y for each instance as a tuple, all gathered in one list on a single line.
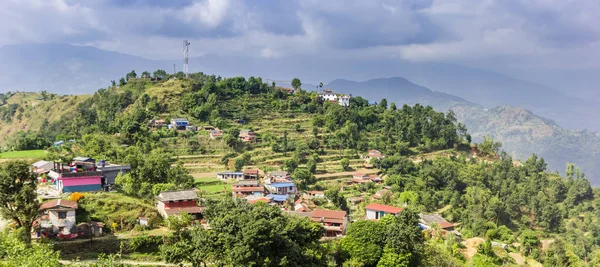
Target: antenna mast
[(186, 46)]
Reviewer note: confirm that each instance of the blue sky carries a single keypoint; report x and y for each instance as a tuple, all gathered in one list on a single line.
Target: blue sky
[(511, 36)]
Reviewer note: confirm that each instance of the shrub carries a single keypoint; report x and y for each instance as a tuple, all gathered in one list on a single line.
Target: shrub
[(76, 196)]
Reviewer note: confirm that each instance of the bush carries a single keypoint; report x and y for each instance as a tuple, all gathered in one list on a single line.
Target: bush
[(76, 196), (144, 243)]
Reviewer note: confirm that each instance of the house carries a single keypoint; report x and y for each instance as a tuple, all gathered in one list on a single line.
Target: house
[(191, 128), (42, 166), (111, 171), (374, 154), (179, 123), (360, 178), (81, 175), (379, 194), (157, 123), (247, 187), (278, 176), (176, 202), (355, 200), (230, 175), (286, 90), (247, 135), (57, 217), (315, 193), (331, 96), (251, 174), (427, 220), (376, 211), (334, 221), (59, 143), (215, 134), (279, 199), (286, 188)]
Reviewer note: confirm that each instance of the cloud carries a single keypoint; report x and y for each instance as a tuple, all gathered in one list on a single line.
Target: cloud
[(550, 31)]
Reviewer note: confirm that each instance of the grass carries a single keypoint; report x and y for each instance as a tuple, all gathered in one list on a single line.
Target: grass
[(114, 207), (23, 154), (211, 189)]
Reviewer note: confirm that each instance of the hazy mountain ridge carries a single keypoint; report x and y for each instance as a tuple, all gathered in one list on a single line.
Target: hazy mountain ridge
[(521, 131)]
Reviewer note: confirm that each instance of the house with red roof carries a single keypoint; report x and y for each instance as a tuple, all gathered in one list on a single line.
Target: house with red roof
[(426, 221), (376, 211), (251, 174), (334, 221), (247, 187), (176, 202)]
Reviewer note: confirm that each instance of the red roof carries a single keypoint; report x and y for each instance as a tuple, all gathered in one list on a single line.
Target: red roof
[(178, 210), (58, 203), (445, 225), (251, 172), (329, 216), (384, 208), (262, 199)]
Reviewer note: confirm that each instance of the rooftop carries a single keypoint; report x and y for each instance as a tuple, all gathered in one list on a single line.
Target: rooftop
[(278, 198), (429, 219), (384, 208), (245, 183), (251, 172), (58, 203), (178, 210), (82, 159), (328, 216), (280, 185), (177, 195), (279, 173), (179, 120)]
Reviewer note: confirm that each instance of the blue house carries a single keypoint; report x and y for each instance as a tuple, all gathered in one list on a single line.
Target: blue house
[(286, 188), (279, 199), (179, 123)]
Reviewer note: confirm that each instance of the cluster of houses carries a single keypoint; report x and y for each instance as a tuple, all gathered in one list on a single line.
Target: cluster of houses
[(180, 124), (329, 95), (82, 174)]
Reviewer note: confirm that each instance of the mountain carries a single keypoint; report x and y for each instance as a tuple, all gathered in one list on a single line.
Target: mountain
[(66, 69), (521, 131), (397, 88)]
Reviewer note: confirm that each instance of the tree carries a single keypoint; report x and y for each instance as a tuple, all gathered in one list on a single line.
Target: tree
[(18, 198), (529, 241), (290, 165), (131, 75), (345, 164), (296, 83), (303, 176), (145, 74), (15, 252), (244, 234), (321, 85), (337, 198), (122, 81), (238, 164), (44, 95), (383, 104), (113, 83), (159, 74), (311, 164), (489, 146)]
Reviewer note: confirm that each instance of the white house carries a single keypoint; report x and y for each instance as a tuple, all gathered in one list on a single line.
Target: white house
[(58, 216), (287, 188), (329, 95), (230, 175), (376, 211)]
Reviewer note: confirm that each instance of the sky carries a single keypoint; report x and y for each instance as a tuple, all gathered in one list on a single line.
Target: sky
[(525, 38)]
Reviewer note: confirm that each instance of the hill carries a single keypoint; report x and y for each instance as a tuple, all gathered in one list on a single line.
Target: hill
[(521, 131), (71, 69)]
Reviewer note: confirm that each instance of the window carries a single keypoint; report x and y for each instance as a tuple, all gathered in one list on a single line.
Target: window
[(62, 214)]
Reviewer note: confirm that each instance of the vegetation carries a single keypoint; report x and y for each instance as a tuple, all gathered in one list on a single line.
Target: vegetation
[(18, 196), (429, 166)]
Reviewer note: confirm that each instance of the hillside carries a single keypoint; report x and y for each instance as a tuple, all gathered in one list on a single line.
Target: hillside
[(79, 70), (521, 131)]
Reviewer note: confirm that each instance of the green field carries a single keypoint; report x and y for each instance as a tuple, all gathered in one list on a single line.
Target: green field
[(24, 154), (210, 189)]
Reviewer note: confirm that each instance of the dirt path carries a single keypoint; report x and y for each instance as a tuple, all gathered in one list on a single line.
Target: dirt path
[(518, 258), (471, 245), (204, 175), (349, 173)]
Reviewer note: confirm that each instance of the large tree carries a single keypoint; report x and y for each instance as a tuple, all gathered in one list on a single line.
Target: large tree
[(244, 234), (18, 198), (296, 83)]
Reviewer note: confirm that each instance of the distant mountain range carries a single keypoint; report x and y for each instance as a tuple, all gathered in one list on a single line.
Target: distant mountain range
[(521, 132)]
